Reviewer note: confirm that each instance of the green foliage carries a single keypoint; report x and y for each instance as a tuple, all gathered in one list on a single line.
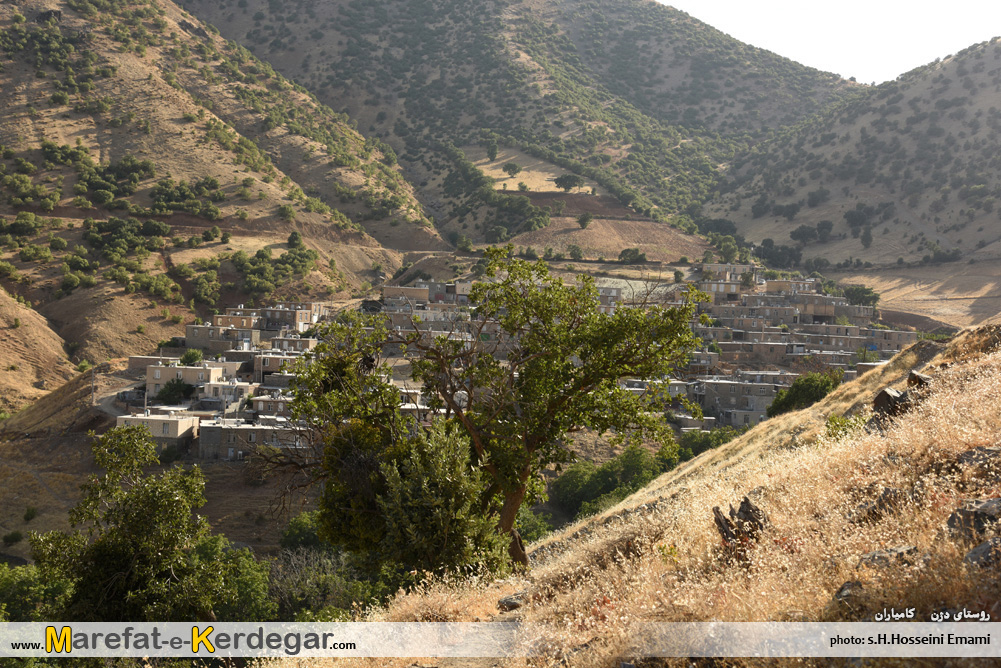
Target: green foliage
[(511, 169), (302, 532), (805, 391), (191, 357), (30, 513), (431, 507), (146, 555), (197, 198), (585, 219), (519, 413), (29, 595), (12, 538), (586, 489), (694, 443), (262, 273), (84, 366), (632, 256), (860, 295), (533, 526), (568, 182), (840, 426), (175, 391), (295, 240)]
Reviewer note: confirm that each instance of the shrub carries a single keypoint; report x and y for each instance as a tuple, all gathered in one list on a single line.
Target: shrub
[(84, 366), (30, 513), (192, 357), (12, 538), (805, 391)]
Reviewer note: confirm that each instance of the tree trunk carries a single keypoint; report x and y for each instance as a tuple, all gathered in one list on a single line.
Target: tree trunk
[(508, 514)]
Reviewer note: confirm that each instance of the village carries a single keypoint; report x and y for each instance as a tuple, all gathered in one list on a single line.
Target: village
[(225, 388)]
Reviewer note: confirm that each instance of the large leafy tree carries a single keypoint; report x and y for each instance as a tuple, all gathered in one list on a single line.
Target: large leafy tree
[(140, 553), (537, 361), (542, 361)]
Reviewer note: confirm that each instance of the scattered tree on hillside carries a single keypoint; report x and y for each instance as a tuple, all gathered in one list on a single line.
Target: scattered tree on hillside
[(568, 182), (824, 228), (632, 256), (804, 234), (511, 169), (585, 219), (295, 240)]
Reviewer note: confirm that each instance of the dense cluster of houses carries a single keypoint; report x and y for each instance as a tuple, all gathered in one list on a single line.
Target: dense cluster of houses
[(757, 333)]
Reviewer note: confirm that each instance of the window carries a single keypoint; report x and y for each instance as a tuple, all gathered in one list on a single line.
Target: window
[(156, 373), (232, 437), (201, 375), (253, 437), (166, 428), (179, 374), (281, 407), (733, 389), (265, 362)]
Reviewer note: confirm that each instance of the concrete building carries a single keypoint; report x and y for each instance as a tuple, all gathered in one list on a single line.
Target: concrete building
[(235, 439), (170, 430), (158, 375)]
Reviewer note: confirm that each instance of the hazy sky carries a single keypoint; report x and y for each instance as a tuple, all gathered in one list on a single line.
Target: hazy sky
[(871, 40)]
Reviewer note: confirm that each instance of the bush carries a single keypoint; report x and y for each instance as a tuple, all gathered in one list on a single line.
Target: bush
[(805, 391), (192, 357), (84, 365), (30, 513), (175, 391), (431, 507), (12, 538)]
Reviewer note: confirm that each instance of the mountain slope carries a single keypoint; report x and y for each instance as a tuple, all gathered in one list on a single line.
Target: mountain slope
[(118, 110), (913, 161), (658, 556), (425, 74)]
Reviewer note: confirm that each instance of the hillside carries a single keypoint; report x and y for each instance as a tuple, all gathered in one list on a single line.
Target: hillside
[(658, 557), (906, 172), (143, 159), (33, 358), (426, 75)]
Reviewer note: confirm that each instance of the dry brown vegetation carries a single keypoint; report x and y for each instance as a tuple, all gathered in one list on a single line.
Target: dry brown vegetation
[(663, 561)]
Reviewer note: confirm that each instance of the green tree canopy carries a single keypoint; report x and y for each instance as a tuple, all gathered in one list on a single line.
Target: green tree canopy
[(805, 391), (511, 168), (192, 357), (145, 555), (567, 182), (175, 391), (537, 363), (861, 295)]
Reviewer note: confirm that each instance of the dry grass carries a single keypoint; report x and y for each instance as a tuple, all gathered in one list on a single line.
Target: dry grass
[(665, 563)]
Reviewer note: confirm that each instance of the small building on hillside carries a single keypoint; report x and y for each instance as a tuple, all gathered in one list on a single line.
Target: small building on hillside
[(177, 431)]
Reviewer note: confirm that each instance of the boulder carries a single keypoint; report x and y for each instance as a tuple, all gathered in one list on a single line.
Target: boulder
[(986, 458), (985, 555), (886, 558), (975, 516), (891, 402), (915, 379), (513, 602)]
